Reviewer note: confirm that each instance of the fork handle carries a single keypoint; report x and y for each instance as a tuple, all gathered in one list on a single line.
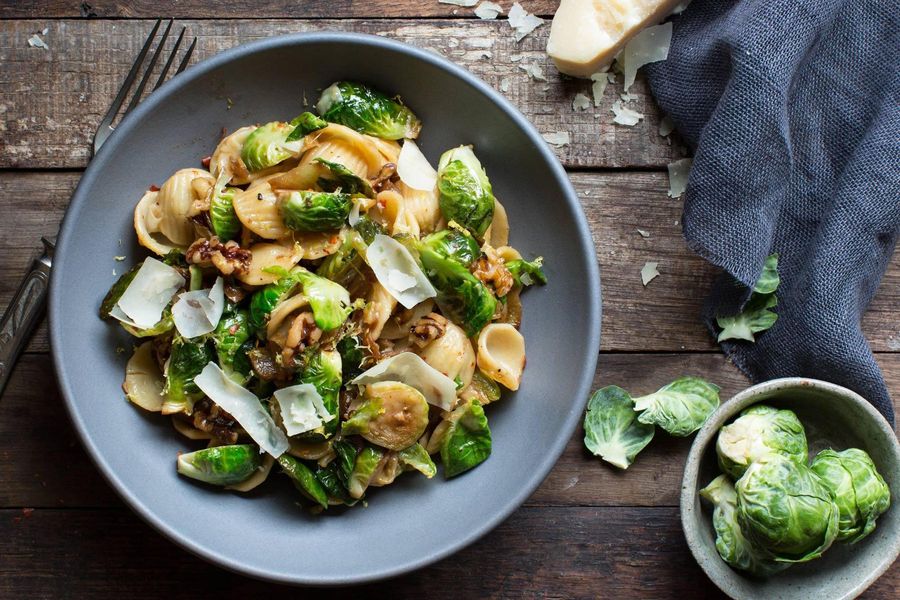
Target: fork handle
[(22, 315)]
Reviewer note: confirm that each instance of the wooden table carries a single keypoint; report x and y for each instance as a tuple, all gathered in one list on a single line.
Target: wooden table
[(589, 531)]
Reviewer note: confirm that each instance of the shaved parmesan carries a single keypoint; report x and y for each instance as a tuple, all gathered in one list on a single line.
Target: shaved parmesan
[(465, 3), (611, 77), (522, 21), (504, 84), (488, 10), (648, 46), (666, 126), (643, 233), (678, 176), (649, 272), (406, 367), (560, 138), (581, 102), (198, 313), (148, 294), (398, 272), (624, 115), (599, 86), (301, 408), (35, 41), (245, 407), (534, 71), (353, 217), (414, 169)]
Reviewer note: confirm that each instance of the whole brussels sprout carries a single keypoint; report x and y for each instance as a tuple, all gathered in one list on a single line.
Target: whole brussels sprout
[(758, 431), (315, 211), (220, 465), (786, 509), (367, 111), (859, 490), (465, 192)]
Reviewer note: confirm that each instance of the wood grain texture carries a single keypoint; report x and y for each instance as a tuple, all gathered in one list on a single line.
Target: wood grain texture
[(663, 316), (52, 100)]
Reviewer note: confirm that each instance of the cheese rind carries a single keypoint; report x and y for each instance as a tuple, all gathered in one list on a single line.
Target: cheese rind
[(587, 34)]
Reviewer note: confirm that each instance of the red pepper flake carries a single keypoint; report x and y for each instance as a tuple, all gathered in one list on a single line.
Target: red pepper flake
[(333, 239), (233, 329), (27, 512), (382, 204), (154, 188), (205, 161)]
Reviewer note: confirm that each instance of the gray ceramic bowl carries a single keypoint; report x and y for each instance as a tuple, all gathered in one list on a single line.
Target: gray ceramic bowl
[(834, 417), (415, 521)]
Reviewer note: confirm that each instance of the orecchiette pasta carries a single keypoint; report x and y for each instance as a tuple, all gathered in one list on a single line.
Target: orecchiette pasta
[(501, 354), (452, 354)]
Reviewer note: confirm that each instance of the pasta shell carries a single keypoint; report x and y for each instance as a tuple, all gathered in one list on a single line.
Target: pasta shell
[(423, 206), (259, 210), (146, 226), (175, 198), (341, 144), (144, 381), (280, 315), (389, 149), (227, 157), (257, 478), (498, 232), (379, 306), (451, 354), (501, 354), (267, 254), (187, 430)]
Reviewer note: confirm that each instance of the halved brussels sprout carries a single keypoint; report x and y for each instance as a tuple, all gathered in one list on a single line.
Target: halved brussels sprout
[(611, 427), (483, 389), (758, 431), (264, 301), (221, 465), (466, 196), (681, 407), (363, 469), (186, 360), (786, 509), (323, 371), (265, 147), (230, 336), (467, 442), (315, 211), (859, 490), (393, 415), (416, 457), (304, 479), (305, 124), (116, 290), (367, 111), (453, 244), (343, 179), (329, 301), (353, 353), (527, 273), (222, 218)]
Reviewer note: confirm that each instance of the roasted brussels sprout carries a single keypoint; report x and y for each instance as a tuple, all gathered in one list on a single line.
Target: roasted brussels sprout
[(363, 470), (315, 211), (453, 244), (393, 415), (305, 124), (323, 371), (859, 490), (733, 547), (527, 273), (466, 196), (304, 479), (467, 442), (116, 290), (758, 431), (222, 218), (346, 265), (367, 111), (232, 332), (681, 407), (266, 146), (329, 301), (786, 509), (221, 465), (187, 359), (416, 457), (265, 300), (611, 427), (343, 180), (482, 388), (352, 357)]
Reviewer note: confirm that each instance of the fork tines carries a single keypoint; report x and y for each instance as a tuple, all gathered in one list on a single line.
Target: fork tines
[(106, 125)]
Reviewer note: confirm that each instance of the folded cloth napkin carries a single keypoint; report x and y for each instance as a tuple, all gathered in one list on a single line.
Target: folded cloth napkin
[(793, 110)]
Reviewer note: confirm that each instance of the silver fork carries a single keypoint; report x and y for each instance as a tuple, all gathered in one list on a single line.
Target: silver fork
[(27, 304)]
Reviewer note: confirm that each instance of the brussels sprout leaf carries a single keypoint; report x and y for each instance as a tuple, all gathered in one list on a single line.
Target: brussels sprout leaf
[(305, 124), (468, 441), (367, 111), (304, 479), (611, 428), (416, 457), (756, 315), (768, 281), (681, 407), (527, 273), (344, 180), (220, 465)]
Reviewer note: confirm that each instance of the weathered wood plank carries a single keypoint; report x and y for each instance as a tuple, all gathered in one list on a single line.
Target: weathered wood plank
[(51, 101), (660, 317), (42, 464), (253, 9)]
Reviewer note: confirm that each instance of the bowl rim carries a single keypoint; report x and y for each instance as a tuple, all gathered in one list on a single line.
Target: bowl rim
[(726, 411), (56, 301)]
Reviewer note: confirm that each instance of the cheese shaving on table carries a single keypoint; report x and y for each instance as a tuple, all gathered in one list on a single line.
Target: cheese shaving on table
[(148, 294), (648, 46), (581, 102), (522, 21), (649, 272), (560, 138), (624, 115), (534, 71), (35, 41), (504, 84), (301, 408), (245, 407), (406, 367), (398, 272), (463, 3), (488, 10), (198, 313), (678, 176), (599, 86), (666, 126), (643, 233), (414, 169)]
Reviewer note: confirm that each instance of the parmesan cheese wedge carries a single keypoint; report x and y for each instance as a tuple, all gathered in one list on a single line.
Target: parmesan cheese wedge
[(587, 34)]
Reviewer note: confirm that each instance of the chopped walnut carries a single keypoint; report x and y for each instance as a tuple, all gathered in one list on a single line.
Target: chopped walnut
[(211, 418), (381, 181), (302, 334), (428, 328), (491, 270), (229, 258)]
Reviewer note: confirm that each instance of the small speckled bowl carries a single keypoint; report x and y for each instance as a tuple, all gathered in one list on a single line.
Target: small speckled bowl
[(834, 417)]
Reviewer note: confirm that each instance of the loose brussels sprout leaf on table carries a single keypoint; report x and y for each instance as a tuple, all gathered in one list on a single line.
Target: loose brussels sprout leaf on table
[(467, 442), (268, 145), (304, 479), (611, 428), (186, 361), (344, 180), (758, 431), (785, 508), (681, 407), (315, 211), (732, 546), (221, 465), (859, 490), (756, 315), (466, 196), (367, 111), (393, 415), (305, 124)]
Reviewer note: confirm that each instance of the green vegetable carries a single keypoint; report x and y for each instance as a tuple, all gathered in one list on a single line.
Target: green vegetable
[(195, 282), (265, 300), (681, 407), (115, 292), (220, 465), (460, 295), (786, 509), (483, 388), (329, 301), (611, 427), (344, 180), (352, 356), (315, 211), (265, 146), (758, 431), (859, 490), (186, 360), (323, 371), (222, 218), (304, 479), (467, 442), (346, 266), (346, 459), (174, 258), (453, 244), (335, 484), (466, 196), (733, 547), (527, 273), (416, 457), (165, 324), (392, 415), (367, 111), (232, 332), (305, 124), (756, 315), (363, 470)]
